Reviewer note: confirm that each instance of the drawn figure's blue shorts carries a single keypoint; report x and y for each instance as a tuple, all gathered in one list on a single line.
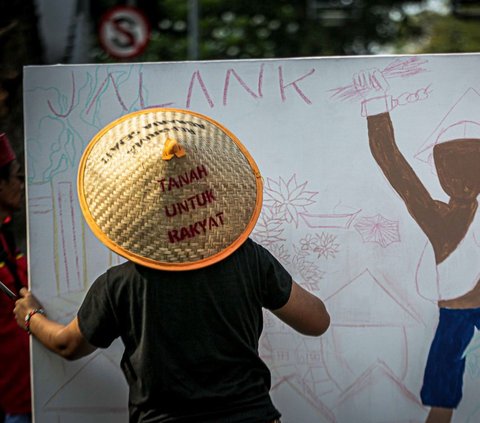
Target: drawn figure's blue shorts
[(443, 379)]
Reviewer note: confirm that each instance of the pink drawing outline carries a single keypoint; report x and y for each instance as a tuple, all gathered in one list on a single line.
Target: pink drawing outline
[(242, 83), (63, 230), (72, 101), (338, 220), (294, 84), (197, 75), (378, 229), (429, 145), (287, 199), (365, 379), (385, 290), (399, 68), (109, 77)]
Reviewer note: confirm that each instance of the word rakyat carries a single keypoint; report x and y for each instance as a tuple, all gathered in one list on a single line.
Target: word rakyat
[(197, 228)]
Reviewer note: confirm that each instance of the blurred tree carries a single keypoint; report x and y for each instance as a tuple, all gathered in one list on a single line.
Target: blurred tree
[(466, 8), (269, 28), (452, 35), (438, 33)]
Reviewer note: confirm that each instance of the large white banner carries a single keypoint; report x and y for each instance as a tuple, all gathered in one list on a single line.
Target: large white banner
[(341, 212)]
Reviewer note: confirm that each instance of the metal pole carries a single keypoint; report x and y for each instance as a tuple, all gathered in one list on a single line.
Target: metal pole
[(193, 29)]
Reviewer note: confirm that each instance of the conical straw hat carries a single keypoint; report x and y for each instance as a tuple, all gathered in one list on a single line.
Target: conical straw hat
[(169, 189)]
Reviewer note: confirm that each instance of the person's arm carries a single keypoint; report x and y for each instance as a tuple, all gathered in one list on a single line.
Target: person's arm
[(64, 340), (304, 312)]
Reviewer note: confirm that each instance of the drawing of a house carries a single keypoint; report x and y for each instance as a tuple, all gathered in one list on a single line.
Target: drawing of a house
[(370, 314), (378, 396), (109, 394)]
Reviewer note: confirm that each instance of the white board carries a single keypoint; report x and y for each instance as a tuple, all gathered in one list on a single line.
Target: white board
[(330, 216)]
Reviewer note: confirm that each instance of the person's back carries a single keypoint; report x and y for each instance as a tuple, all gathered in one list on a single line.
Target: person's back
[(191, 338)]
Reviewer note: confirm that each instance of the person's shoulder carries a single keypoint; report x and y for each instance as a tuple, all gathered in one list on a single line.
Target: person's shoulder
[(117, 278), (248, 248), (254, 247), (251, 245), (252, 250), (122, 267), (121, 271)]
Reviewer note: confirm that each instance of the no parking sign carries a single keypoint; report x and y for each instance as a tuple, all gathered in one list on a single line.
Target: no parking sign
[(124, 32)]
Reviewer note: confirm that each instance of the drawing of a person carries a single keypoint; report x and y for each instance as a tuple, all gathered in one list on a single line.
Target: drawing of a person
[(449, 227)]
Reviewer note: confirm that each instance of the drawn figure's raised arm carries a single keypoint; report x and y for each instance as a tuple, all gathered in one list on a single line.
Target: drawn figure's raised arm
[(445, 224), (400, 174), (376, 106)]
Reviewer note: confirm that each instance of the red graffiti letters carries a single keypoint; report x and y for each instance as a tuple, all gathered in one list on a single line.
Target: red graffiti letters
[(191, 203), (198, 228), (167, 184)]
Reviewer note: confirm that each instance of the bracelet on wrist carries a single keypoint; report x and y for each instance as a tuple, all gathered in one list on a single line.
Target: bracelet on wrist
[(29, 316)]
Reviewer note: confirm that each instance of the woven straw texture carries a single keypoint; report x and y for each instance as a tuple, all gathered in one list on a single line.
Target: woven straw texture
[(177, 214)]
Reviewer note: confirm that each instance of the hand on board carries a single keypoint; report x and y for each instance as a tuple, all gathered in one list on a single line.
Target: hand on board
[(24, 305)]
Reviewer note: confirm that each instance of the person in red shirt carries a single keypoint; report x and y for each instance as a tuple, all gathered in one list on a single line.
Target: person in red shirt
[(15, 394)]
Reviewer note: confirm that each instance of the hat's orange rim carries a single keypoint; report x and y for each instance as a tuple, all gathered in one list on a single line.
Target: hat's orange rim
[(154, 264)]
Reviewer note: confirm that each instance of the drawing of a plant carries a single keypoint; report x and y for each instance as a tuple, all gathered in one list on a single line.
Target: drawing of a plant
[(287, 199)]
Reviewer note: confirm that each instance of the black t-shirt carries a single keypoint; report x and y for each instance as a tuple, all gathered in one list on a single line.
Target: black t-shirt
[(191, 337)]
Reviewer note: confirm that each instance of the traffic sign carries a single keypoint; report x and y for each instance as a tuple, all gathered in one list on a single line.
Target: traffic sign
[(124, 32)]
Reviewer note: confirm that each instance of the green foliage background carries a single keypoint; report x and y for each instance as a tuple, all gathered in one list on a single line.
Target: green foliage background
[(267, 28)]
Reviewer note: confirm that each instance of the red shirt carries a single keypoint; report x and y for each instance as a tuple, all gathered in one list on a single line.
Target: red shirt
[(15, 395)]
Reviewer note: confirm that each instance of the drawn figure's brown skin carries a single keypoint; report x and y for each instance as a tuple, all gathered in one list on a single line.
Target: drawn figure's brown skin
[(458, 167)]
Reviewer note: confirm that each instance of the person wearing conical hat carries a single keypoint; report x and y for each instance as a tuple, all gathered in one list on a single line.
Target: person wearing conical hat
[(452, 250), (15, 398), (177, 195)]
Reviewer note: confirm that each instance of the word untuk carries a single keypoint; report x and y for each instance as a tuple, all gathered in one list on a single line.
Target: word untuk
[(194, 229), (191, 203)]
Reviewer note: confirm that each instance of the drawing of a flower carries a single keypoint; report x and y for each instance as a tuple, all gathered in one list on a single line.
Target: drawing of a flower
[(308, 243), (323, 245), (309, 272), (287, 198), (280, 253), (268, 229), (326, 245), (378, 229)]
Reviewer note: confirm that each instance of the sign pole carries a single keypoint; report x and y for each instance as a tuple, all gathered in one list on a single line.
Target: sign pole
[(193, 29)]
